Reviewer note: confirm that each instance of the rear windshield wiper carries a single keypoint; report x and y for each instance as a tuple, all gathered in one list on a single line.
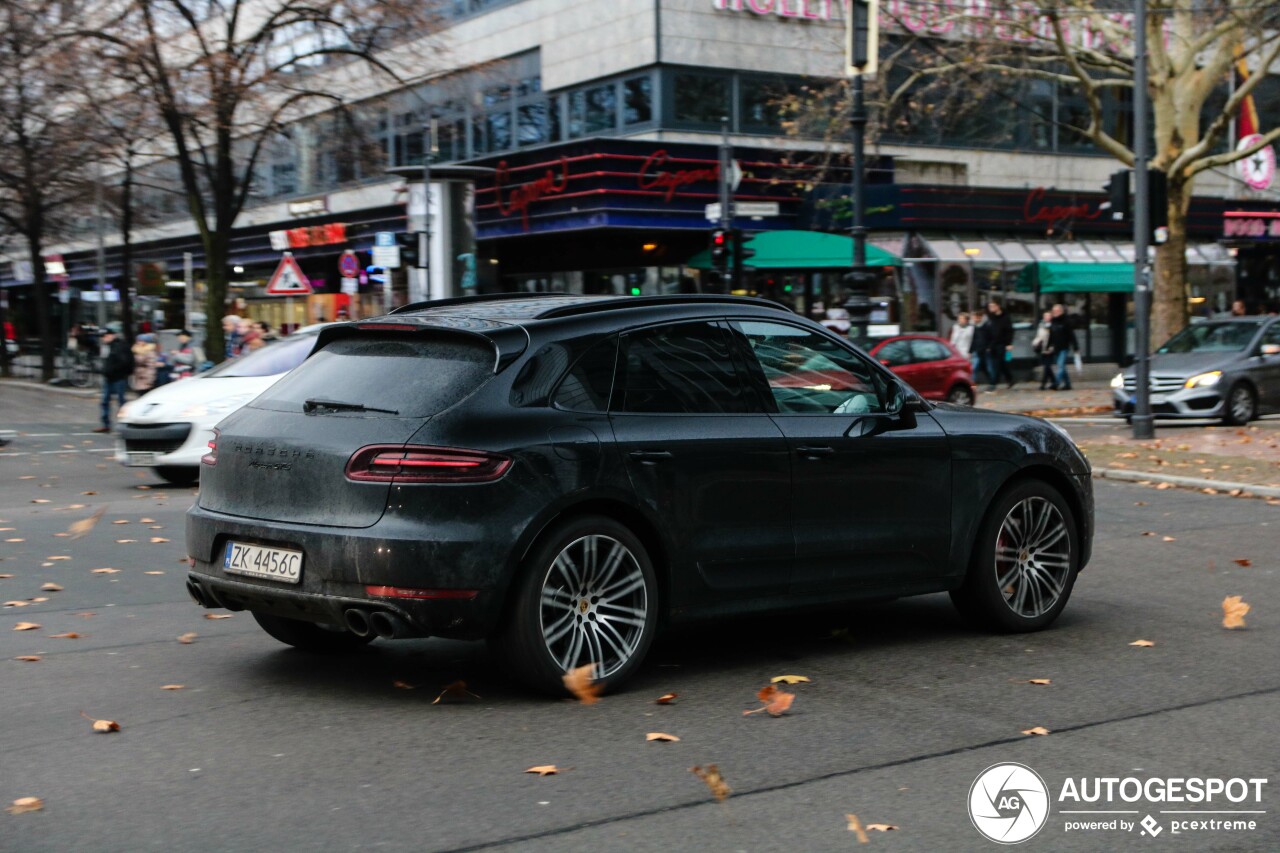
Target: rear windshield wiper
[(310, 406)]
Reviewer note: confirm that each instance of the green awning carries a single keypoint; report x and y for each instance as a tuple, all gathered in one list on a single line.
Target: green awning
[(802, 250), (1063, 277)]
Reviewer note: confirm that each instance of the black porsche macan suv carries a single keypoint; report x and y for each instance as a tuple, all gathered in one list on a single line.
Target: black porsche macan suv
[(563, 475)]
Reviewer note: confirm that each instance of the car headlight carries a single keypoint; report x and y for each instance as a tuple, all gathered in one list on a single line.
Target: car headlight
[(123, 411), (1117, 381), (216, 407), (1204, 380)]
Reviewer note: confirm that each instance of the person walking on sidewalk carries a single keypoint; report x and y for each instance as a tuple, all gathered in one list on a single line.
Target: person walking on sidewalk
[(962, 335), (1000, 346), (117, 365), (1062, 339), (979, 344), (1040, 346)]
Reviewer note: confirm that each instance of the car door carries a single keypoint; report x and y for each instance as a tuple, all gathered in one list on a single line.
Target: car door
[(929, 357), (1268, 370), (896, 355), (871, 490), (704, 457)]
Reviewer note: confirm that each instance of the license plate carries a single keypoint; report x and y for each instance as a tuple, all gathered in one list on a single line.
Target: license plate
[(1157, 399), (140, 458), (277, 564)]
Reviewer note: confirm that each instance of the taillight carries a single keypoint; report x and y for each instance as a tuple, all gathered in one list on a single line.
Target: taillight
[(420, 594), (380, 463), (211, 458)]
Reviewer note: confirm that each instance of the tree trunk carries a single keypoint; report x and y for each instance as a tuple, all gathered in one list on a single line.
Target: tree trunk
[(216, 253), (126, 248), (1169, 289)]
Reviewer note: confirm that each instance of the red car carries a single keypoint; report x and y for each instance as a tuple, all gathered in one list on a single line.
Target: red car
[(930, 365)]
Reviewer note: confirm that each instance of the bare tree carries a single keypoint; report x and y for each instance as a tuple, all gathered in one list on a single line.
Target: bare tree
[(44, 151), (227, 77)]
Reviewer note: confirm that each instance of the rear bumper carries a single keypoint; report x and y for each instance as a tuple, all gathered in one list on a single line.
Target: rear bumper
[(339, 563)]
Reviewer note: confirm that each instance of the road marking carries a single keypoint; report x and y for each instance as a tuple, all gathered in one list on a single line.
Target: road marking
[(46, 452)]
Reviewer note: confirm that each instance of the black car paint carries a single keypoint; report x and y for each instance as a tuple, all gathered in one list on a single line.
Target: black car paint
[(475, 536)]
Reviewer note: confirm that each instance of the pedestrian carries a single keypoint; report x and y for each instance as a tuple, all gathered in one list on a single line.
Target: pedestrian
[(116, 367), (1040, 346), (1238, 309), (263, 328), (231, 334), (980, 343), (1062, 338), (183, 359), (962, 334), (1000, 347), (145, 364)]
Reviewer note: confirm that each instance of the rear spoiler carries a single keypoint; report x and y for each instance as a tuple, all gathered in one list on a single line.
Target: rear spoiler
[(508, 341)]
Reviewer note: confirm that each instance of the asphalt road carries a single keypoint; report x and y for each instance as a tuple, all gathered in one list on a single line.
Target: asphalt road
[(267, 748)]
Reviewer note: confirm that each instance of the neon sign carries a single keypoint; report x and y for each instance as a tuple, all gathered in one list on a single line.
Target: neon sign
[(1033, 209), (519, 198), (669, 182)]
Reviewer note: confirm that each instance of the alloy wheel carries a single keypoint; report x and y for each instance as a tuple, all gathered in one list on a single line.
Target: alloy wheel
[(594, 605), (1241, 405), (1033, 557)]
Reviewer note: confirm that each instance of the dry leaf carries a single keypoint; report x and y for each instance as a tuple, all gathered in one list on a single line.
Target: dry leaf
[(1143, 643), (65, 635), (102, 726), (147, 520), (403, 685), (218, 615), (153, 573), (1245, 563), (1233, 611), (6, 575), (28, 658), (881, 827), (40, 500), (51, 587), (59, 558), (456, 690), (1039, 681), (1167, 539), (581, 683), (661, 736), (173, 686), (25, 804), (87, 614), (1036, 730), (16, 603), (125, 541), (15, 540), (710, 775), (188, 637), (855, 826), (544, 770), (25, 626), (84, 525), (1161, 487), (155, 539), (667, 698), (789, 679), (776, 701), (121, 521), (1148, 533), (105, 572)]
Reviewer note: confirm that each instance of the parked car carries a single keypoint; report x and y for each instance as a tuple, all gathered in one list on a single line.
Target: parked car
[(930, 365), (1227, 369), (169, 429), (563, 475)]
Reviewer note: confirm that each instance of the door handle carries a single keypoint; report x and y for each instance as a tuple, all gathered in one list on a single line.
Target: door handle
[(815, 452), (650, 457)]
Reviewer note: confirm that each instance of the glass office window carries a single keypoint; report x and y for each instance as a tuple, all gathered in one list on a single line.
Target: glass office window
[(700, 98), (638, 106)]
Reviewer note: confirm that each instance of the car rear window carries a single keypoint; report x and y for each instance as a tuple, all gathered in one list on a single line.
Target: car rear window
[(411, 376)]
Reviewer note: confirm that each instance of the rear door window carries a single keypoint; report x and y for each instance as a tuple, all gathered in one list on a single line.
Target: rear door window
[(684, 368), (408, 375), (926, 350), (895, 354)]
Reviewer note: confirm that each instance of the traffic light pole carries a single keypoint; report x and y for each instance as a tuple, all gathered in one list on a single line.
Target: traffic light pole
[(858, 303), (727, 269), (1143, 422), (424, 236)]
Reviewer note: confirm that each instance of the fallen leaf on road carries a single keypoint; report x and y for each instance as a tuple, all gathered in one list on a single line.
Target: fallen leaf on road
[(121, 521), (1162, 486), (16, 603), (855, 826), (1233, 611), (51, 587), (6, 575), (881, 827), (582, 684), (1168, 539), (1139, 503), (147, 520), (1039, 681), (84, 525), (218, 615), (55, 559), (102, 726), (173, 686), (26, 626), (667, 698), (25, 804), (39, 500), (187, 638), (789, 679), (776, 701), (710, 776), (27, 477), (155, 539), (662, 737), (1245, 563), (153, 573), (456, 690), (1036, 730), (15, 540), (1143, 643), (87, 614), (28, 658), (544, 770), (65, 635), (125, 541), (105, 572), (403, 685)]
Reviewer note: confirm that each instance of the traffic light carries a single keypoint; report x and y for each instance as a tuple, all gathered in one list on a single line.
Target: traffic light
[(408, 242), (862, 37), (1118, 195), (741, 252), (719, 248)]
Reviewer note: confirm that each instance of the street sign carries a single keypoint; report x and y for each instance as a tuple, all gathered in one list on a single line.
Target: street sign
[(288, 279), (348, 265), (386, 256), (384, 238), (744, 208), (350, 284)]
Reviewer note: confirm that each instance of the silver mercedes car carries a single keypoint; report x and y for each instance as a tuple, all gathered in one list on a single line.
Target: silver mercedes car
[(1225, 369)]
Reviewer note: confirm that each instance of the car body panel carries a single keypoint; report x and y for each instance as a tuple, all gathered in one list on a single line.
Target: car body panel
[(934, 379)]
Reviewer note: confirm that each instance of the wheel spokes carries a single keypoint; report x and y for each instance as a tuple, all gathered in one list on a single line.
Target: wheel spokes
[(1032, 557)]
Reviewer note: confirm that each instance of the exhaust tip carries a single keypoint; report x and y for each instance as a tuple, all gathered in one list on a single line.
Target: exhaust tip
[(197, 594), (357, 622), (386, 625)]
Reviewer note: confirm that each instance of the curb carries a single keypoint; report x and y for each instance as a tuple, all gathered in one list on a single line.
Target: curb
[(1186, 482), (88, 393)]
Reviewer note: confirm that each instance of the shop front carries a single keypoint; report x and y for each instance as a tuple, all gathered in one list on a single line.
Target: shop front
[(1254, 236)]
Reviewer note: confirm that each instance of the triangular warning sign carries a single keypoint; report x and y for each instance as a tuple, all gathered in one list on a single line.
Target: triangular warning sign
[(288, 279)]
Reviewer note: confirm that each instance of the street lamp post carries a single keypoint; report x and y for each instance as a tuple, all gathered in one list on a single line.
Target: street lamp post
[(862, 49), (424, 235), (1143, 422)]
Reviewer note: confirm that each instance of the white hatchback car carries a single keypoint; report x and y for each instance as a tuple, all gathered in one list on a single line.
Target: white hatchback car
[(169, 429)]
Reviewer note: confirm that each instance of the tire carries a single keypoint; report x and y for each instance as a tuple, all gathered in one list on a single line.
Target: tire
[(558, 618), (960, 395), (1240, 406), (1012, 578), (310, 637), (178, 475)]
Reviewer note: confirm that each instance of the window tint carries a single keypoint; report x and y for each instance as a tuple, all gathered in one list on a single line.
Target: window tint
[(270, 360), (895, 354), (807, 372), (586, 386), (685, 368), (926, 350)]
